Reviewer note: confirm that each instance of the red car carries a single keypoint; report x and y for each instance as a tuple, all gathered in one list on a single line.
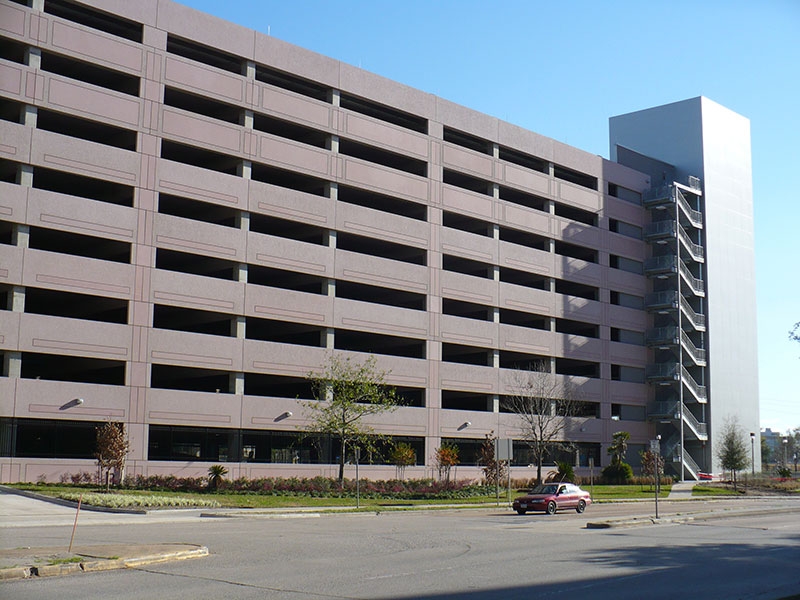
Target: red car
[(551, 497)]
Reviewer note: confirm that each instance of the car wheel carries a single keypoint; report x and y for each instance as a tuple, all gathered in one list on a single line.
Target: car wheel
[(521, 511), (581, 506), (551, 508)]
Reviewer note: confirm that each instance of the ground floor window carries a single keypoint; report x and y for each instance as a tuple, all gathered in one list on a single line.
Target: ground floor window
[(47, 438), (212, 444)]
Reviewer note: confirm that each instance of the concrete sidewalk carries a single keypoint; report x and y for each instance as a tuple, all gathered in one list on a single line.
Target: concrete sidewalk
[(681, 490), (22, 563)]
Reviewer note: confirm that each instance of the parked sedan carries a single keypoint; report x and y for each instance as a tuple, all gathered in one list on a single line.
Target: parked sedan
[(551, 497)]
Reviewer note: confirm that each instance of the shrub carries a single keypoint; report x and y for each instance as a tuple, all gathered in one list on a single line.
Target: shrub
[(783, 471), (617, 473), (565, 473), (216, 476)]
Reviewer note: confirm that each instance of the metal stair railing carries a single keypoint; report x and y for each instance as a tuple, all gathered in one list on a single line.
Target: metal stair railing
[(659, 299), (665, 409), (699, 391), (695, 249), (697, 354), (660, 228), (695, 216), (698, 285), (698, 320), (691, 465), (700, 429), (662, 335), (667, 263)]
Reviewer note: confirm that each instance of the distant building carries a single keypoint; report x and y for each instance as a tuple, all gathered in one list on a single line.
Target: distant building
[(194, 214), (773, 441)]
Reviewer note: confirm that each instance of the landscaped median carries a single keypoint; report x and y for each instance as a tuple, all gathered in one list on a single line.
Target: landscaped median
[(301, 493), (23, 563)]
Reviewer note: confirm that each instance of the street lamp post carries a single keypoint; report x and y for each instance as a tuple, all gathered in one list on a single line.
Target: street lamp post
[(785, 446), (753, 452)]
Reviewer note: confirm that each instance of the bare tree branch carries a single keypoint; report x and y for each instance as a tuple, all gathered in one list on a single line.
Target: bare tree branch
[(544, 405)]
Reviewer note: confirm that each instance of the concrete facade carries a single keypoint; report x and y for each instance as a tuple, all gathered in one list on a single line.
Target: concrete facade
[(195, 215)]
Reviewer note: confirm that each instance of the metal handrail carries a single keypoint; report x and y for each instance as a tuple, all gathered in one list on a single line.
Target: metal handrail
[(668, 298), (698, 319), (698, 354), (698, 285), (695, 216), (658, 263), (662, 371), (697, 251), (665, 409), (660, 227), (662, 335), (698, 390), (700, 428), (689, 462)]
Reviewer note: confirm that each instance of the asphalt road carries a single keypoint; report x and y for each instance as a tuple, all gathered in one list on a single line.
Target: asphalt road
[(472, 554)]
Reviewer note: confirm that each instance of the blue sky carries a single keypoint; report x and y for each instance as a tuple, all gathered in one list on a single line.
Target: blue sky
[(562, 69)]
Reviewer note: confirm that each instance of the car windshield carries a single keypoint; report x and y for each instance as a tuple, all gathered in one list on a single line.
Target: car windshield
[(544, 489)]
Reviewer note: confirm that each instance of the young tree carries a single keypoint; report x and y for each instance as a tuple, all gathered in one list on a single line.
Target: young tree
[(732, 452), (618, 471), (543, 404), (402, 455), (495, 471), (347, 393), (652, 464), (112, 447), (446, 459), (618, 446)]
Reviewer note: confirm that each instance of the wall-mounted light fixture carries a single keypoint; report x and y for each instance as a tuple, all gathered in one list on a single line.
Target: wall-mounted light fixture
[(284, 415), (464, 425), (71, 404)]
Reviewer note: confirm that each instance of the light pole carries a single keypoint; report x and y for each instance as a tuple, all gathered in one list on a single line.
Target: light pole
[(753, 452), (785, 446)]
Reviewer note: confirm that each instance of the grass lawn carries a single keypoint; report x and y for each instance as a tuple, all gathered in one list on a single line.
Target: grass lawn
[(708, 490)]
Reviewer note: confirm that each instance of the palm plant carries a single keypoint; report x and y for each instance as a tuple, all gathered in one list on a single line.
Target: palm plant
[(216, 474)]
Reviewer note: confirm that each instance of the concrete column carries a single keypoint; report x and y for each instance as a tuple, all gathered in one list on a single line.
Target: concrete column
[(21, 235), (12, 364), (236, 383), (29, 115), (16, 299), (33, 57), (25, 175), (245, 169), (239, 327), (328, 338)]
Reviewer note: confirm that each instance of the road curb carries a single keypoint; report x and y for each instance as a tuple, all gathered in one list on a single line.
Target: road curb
[(90, 565), (70, 503)]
